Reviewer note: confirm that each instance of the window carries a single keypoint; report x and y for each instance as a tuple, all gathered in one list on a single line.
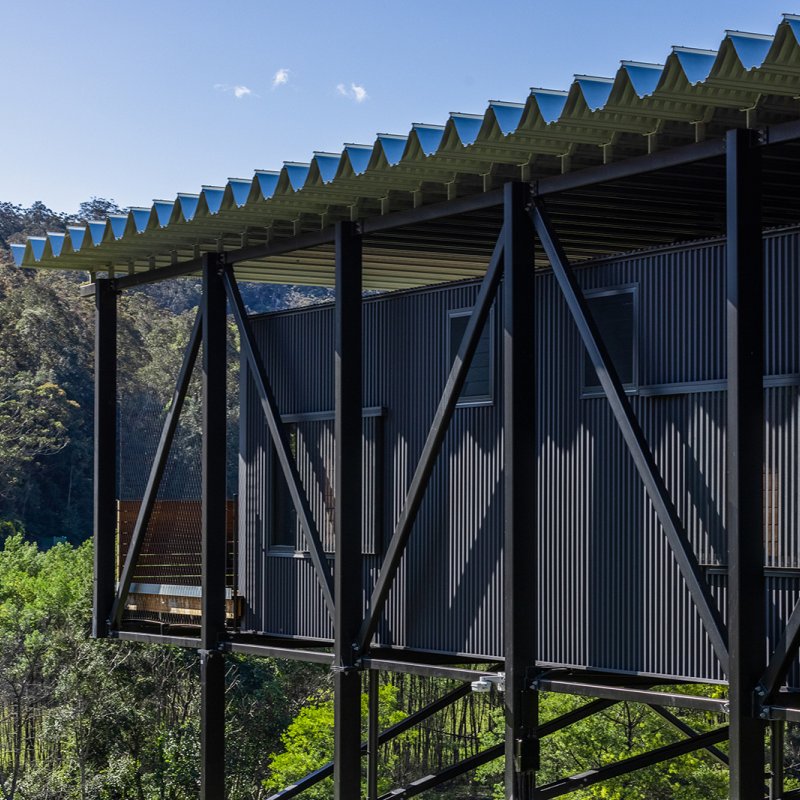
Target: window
[(479, 386), (283, 535), (615, 313), (312, 446)]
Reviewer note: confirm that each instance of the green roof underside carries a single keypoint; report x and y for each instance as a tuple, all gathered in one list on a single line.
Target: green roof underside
[(597, 208)]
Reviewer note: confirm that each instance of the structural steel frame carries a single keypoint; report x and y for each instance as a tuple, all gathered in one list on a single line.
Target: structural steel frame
[(754, 683)]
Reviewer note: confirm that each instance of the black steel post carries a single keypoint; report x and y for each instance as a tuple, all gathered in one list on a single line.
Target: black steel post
[(212, 662), (348, 604), (373, 734), (745, 457), (520, 563), (105, 452), (777, 731)]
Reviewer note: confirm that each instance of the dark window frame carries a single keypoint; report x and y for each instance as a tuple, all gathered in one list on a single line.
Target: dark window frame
[(372, 448), (474, 401), (632, 387)]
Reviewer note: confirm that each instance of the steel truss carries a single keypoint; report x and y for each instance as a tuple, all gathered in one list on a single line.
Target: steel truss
[(754, 683)]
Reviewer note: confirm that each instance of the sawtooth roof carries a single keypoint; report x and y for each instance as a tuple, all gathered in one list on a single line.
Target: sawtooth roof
[(751, 80)]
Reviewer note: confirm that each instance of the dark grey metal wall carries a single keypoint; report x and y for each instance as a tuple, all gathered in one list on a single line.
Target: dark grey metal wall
[(611, 595)]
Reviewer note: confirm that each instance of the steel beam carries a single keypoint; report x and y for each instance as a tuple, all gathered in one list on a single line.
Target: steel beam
[(782, 712), (680, 725), (576, 715), (347, 515), (634, 437), (520, 549), (426, 670), (745, 459), (432, 446), (105, 453), (280, 440), (631, 167), (627, 694), (191, 642), (213, 537), (268, 651), (432, 781), (628, 765), (156, 472)]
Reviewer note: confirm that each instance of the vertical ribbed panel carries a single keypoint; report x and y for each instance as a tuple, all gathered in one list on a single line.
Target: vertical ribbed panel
[(611, 593)]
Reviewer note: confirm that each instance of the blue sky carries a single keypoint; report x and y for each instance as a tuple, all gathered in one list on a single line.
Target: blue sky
[(136, 101)]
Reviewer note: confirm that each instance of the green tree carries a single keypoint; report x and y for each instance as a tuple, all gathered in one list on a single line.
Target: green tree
[(308, 743), (622, 731)]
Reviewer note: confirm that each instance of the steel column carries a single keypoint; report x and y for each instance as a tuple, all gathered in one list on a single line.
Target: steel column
[(777, 731), (105, 452), (520, 563), (373, 733), (348, 604), (212, 663), (212, 725), (745, 458)]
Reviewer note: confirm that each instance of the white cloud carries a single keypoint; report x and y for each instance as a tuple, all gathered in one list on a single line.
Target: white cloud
[(355, 92), (239, 91), (280, 78)]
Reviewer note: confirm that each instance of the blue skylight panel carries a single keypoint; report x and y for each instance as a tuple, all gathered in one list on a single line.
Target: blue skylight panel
[(328, 164), (141, 216), (507, 115), (467, 127), (595, 90), (359, 155), (188, 205), (696, 64), (56, 242), (297, 174), (751, 48), (213, 195), (163, 211), (430, 137), (77, 235), (118, 224), (18, 251), (551, 103), (97, 230), (393, 147), (267, 182), (644, 77), (241, 190)]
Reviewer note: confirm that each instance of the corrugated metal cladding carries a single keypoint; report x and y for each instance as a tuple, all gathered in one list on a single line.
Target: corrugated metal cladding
[(611, 593)]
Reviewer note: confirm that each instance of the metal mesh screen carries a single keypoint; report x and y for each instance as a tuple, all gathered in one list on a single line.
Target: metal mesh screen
[(166, 577)]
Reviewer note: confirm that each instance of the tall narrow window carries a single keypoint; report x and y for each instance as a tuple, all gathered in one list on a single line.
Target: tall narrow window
[(615, 313), (283, 535), (479, 386)]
